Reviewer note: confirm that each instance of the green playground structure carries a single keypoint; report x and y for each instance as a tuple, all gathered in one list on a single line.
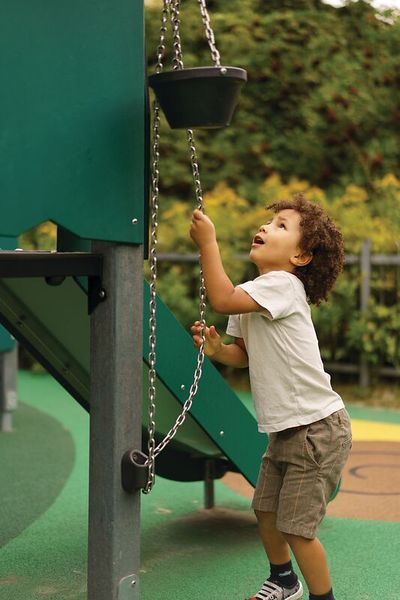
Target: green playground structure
[(73, 150), (52, 321)]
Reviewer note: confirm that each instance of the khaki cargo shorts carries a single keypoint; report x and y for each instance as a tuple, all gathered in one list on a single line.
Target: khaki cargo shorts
[(300, 471)]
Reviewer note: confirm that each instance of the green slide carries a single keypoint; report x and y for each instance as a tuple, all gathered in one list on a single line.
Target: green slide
[(52, 322)]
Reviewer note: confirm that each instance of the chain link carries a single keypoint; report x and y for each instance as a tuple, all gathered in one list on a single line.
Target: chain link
[(175, 22), (163, 33), (171, 8), (209, 33)]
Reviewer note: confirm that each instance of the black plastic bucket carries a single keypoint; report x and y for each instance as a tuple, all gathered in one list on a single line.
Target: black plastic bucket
[(198, 98)]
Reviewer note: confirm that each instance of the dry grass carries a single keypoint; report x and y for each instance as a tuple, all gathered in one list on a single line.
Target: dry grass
[(380, 395)]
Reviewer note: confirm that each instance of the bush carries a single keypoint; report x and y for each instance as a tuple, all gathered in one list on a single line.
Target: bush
[(321, 102), (344, 332)]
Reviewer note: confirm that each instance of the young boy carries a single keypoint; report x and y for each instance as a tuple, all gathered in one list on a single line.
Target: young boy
[(299, 254)]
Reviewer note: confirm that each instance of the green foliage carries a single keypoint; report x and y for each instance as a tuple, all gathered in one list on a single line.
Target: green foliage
[(334, 319), (321, 103), (344, 332), (42, 237), (376, 334), (321, 109)]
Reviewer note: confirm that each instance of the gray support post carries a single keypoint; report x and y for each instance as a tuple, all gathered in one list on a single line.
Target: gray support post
[(8, 388), (364, 300), (209, 488), (115, 425)]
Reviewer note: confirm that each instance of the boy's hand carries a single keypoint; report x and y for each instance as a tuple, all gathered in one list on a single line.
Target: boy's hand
[(213, 343), (202, 230)]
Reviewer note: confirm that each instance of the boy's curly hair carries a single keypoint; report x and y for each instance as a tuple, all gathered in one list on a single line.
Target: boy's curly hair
[(322, 239)]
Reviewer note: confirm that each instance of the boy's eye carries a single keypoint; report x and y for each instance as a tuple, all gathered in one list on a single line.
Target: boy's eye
[(282, 225)]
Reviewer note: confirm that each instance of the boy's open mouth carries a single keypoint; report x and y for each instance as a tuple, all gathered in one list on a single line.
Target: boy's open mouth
[(258, 240)]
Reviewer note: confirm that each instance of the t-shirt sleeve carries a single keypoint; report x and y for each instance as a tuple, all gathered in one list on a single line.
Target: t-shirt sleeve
[(275, 292), (233, 328)]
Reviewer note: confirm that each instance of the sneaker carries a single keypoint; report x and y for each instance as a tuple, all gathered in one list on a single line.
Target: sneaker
[(273, 591)]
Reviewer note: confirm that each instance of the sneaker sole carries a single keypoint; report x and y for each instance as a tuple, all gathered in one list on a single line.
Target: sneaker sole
[(294, 596), (297, 594)]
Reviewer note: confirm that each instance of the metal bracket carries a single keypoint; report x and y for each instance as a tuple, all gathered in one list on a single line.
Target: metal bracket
[(55, 267), (134, 471), (96, 293), (128, 588)]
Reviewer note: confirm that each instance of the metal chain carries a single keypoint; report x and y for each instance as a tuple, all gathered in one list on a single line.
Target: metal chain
[(175, 22), (163, 33), (209, 33), (155, 176)]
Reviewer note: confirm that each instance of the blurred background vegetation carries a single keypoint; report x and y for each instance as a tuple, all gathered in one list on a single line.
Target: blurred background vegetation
[(320, 114)]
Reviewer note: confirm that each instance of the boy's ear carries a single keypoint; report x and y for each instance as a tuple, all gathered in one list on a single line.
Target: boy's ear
[(301, 260)]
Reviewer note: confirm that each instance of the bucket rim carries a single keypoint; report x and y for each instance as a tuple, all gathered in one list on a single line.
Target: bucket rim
[(198, 73)]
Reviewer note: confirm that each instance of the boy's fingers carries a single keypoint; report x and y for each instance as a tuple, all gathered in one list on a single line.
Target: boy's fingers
[(196, 330), (197, 341), (197, 214)]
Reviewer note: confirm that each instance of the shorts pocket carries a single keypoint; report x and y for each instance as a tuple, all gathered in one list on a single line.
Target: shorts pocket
[(347, 444), (312, 449)]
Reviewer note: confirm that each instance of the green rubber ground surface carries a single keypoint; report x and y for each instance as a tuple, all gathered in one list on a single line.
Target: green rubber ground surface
[(187, 553)]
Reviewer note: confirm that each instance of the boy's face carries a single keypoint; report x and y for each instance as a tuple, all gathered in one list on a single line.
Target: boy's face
[(276, 246)]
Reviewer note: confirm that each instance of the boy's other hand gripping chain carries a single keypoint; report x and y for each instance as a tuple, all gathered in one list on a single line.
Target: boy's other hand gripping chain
[(213, 342)]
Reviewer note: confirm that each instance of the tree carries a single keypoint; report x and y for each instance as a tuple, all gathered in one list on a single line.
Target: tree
[(322, 100)]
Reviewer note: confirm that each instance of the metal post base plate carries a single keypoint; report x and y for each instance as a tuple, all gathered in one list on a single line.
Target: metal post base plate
[(128, 588)]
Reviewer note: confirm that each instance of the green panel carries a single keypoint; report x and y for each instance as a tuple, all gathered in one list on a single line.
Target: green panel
[(72, 117), (54, 321), (7, 342), (216, 407)]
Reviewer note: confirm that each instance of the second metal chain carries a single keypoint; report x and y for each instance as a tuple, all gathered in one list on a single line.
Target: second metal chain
[(209, 33), (173, 8)]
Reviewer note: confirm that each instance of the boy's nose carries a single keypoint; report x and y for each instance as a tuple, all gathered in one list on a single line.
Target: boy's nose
[(263, 228)]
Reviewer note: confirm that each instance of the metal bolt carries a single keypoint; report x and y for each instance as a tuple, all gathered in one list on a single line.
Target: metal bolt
[(133, 582), (102, 294), (221, 433), (134, 221), (223, 71), (19, 249), (183, 387)]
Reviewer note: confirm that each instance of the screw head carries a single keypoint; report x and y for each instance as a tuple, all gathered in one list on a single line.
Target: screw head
[(222, 433), (102, 294), (134, 221), (223, 71), (183, 387)]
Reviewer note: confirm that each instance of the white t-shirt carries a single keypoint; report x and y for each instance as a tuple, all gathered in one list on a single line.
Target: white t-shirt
[(288, 382)]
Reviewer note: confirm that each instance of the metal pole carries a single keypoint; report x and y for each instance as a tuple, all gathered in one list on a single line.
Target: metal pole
[(364, 300), (115, 425), (209, 489), (8, 388)]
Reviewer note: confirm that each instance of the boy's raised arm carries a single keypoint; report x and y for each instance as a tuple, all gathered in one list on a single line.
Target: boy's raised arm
[(222, 294)]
